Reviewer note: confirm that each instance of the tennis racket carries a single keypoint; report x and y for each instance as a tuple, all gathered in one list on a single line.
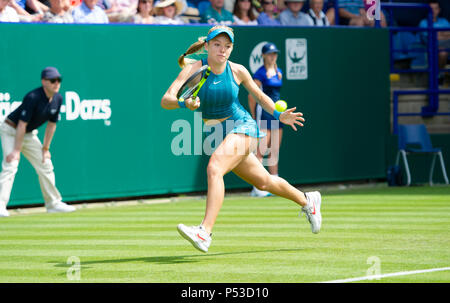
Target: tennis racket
[(193, 84)]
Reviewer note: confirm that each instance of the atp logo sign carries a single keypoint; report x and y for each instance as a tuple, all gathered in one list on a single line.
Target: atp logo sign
[(296, 59), (256, 59)]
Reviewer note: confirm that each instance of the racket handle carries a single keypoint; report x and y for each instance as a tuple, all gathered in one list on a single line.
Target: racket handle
[(194, 95)]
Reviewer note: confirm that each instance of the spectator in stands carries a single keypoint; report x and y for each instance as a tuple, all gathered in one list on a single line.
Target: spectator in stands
[(184, 6), (293, 15), (57, 14), (66, 6), (7, 13), (168, 12), (267, 16), (227, 4), (35, 6), (121, 10), (144, 13), (216, 14), (443, 37), (280, 5), (330, 10), (351, 12), (315, 16), (243, 13), (354, 13), (89, 12)]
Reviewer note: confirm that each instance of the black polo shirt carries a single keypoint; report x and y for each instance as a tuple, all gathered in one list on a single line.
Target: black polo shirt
[(36, 110)]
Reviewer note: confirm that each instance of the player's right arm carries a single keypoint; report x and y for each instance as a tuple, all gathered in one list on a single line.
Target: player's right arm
[(169, 100), (20, 134)]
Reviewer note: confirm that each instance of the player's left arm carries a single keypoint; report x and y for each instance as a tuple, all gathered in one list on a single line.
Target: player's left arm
[(49, 132), (288, 117), (246, 79)]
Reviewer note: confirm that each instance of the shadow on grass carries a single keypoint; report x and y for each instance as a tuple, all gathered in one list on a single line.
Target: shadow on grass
[(172, 259)]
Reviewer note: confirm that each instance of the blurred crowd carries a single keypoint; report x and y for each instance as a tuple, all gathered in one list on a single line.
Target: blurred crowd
[(228, 12)]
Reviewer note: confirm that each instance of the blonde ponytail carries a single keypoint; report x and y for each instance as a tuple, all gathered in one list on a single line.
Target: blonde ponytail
[(195, 47)]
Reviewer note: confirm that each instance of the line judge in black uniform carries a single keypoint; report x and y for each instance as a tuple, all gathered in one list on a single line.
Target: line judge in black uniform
[(19, 135)]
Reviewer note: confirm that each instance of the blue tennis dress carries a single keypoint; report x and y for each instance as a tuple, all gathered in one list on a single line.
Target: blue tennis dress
[(219, 99)]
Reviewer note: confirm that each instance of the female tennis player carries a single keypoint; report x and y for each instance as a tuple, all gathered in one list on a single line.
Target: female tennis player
[(218, 102), (269, 78)]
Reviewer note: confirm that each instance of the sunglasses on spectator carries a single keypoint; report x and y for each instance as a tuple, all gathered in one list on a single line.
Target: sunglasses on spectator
[(267, 3), (54, 80), (244, 0), (146, 1)]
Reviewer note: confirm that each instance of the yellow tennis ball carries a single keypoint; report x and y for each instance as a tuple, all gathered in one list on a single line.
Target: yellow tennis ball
[(280, 105)]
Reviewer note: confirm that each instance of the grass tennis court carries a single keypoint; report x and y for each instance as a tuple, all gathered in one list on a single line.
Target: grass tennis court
[(254, 240)]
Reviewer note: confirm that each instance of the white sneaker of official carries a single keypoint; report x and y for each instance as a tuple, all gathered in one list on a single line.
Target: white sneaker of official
[(59, 207), (3, 212), (312, 210), (197, 235), (259, 193)]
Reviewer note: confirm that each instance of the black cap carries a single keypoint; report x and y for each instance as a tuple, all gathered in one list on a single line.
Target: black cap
[(50, 73)]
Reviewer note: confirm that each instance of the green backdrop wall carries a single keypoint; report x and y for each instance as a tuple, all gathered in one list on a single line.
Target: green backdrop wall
[(114, 139)]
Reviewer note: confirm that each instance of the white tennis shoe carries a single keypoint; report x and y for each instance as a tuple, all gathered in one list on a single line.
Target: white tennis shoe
[(312, 210), (197, 235), (259, 193), (59, 207)]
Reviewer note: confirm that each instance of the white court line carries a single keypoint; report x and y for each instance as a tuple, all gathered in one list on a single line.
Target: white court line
[(395, 274)]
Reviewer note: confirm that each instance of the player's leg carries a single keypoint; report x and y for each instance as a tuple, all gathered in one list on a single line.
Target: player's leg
[(227, 156), (32, 150), (252, 171), (9, 169), (229, 153)]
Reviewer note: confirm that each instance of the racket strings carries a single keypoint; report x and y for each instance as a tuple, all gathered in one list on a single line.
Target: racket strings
[(190, 86)]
